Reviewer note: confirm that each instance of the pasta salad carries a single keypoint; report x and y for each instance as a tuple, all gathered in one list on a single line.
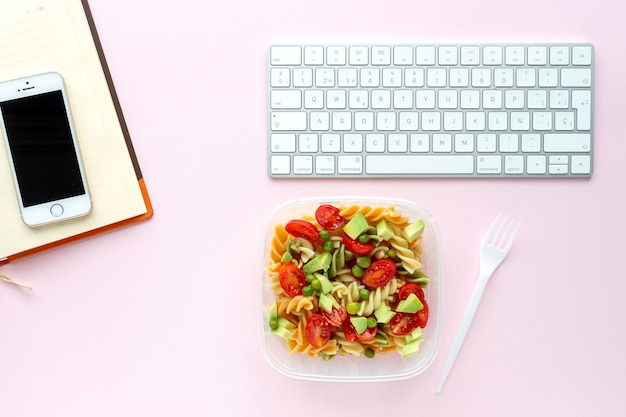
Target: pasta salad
[(348, 280)]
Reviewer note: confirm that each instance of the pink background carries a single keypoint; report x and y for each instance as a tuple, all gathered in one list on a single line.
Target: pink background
[(159, 319)]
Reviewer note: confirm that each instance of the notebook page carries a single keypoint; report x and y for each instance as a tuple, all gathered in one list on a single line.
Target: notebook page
[(38, 36)]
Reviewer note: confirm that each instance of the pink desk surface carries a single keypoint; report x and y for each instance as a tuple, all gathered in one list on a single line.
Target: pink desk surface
[(160, 319)]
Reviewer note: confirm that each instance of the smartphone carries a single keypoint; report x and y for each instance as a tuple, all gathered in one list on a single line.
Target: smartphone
[(42, 148)]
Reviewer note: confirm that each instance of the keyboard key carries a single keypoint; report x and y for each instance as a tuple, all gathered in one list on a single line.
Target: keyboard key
[(470, 55), (515, 55), (581, 164), (280, 164), (581, 55), (536, 164), (280, 77), (537, 55), (313, 55), (350, 164), (567, 142), (336, 55), (325, 165), (303, 164), (492, 55), (576, 77), (559, 55), (381, 55), (514, 164), (425, 55), (283, 142), (489, 164), (581, 101), (286, 99), (419, 164), (359, 55), (402, 55), (448, 55), (288, 121), (285, 55)]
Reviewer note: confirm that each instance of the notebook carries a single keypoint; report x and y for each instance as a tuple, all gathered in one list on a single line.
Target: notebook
[(38, 36)]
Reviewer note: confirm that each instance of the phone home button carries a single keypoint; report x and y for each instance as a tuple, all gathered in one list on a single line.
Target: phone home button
[(56, 210)]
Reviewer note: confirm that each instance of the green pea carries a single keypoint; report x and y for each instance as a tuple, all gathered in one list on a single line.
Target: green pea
[(309, 278), (371, 322), (353, 308), (391, 253), (328, 246), (369, 353), (316, 284), (324, 234), (273, 324), (364, 238), (308, 291), (363, 261), (357, 271), (364, 293)]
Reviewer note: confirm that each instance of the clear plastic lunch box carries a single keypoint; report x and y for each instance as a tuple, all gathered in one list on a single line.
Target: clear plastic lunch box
[(382, 367)]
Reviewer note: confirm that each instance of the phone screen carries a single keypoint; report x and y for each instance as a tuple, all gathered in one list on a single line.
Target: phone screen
[(42, 148)]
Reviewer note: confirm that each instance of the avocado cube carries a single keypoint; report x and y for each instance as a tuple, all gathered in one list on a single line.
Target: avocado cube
[(327, 286), (327, 302), (383, 313), (411, 349), (356, 226), (359, 323), (273, 312), (415, 335), (320, 263), (411, 304), (414, 230), (383, 230)]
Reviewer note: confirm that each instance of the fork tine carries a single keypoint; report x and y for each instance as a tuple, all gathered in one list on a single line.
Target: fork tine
[(500, 239), (497, 239), (487, 239), (512, 237)]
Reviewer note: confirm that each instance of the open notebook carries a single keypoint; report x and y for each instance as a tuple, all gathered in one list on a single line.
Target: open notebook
[(38, 36)]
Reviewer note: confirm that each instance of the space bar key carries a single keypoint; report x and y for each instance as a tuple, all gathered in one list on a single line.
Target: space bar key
[(419, 164)]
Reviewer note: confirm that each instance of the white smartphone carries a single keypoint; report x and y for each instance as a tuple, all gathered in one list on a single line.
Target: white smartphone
[(42, 149)]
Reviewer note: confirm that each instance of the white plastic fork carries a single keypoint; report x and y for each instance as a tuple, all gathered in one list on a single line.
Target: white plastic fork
[(493, 250)]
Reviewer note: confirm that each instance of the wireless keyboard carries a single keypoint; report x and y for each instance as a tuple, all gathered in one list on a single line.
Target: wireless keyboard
[(462, 110)]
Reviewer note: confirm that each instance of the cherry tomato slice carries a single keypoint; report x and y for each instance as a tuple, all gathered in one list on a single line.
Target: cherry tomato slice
[(336, 317), (317, 330), (349, 331), (411, 288), (403, 323), (292, 279), (329, 217), (352, 336), (368, 334), (379, 273), (422, 315), (357, 247), (303, 229)]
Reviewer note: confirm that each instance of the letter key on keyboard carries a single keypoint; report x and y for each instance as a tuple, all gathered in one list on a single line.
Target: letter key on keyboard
[(459, 110)]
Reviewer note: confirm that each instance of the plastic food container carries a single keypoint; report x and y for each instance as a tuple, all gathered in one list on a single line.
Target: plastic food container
[(382, 367)]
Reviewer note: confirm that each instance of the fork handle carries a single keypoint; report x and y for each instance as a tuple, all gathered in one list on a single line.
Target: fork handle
[(466, 321)]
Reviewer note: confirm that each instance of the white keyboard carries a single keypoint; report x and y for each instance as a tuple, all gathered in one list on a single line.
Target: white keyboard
[(462, 110)]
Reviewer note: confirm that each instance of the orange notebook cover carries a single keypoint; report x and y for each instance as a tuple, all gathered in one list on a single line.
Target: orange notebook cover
[(39, 36)]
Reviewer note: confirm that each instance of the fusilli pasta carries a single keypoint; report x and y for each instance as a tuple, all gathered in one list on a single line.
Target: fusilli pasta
[(350, 298)]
